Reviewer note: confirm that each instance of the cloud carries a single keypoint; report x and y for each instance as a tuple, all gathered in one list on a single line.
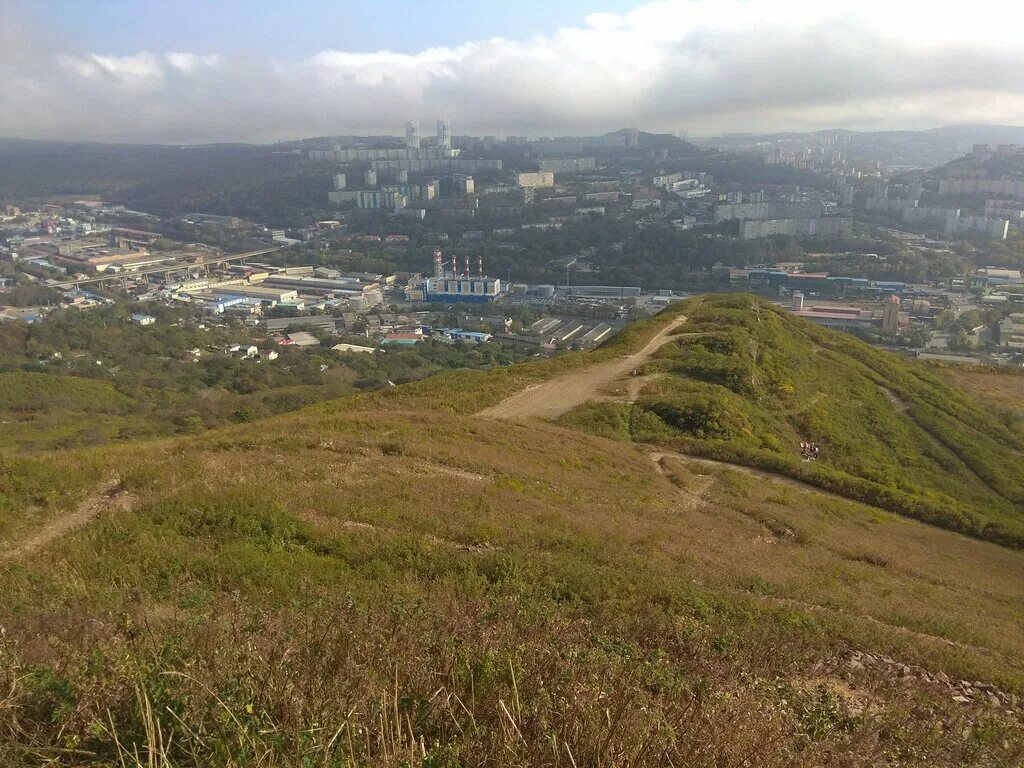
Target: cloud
[(703, 65)]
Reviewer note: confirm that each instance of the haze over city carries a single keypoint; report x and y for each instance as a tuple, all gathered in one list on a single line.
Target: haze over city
[(195, 72)]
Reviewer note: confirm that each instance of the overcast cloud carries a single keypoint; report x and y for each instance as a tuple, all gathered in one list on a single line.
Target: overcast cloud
[(700, 65)]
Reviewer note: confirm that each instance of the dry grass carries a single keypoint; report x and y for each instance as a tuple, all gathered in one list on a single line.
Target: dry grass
[(574, 602), (999, 385), (381, 584)]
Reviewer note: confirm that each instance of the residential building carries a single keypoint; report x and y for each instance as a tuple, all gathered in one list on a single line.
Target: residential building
[(891, 314), (412, 134), (1005, 209), (995, 229), (568, 164), (771, 210), (442, 165), (535, 180), (832, 225), (370, 198), (444, 134), (1007, 187)]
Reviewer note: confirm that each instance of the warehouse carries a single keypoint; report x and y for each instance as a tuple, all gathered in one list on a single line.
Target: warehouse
[(596, 334), (261, 292)]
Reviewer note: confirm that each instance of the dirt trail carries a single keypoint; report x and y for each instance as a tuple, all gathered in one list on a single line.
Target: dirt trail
[(553, 398), (111, 497), (760, 474)]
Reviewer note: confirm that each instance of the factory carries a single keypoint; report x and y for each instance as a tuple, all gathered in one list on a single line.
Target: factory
[(367, 293), (456, 285), (263, 293)]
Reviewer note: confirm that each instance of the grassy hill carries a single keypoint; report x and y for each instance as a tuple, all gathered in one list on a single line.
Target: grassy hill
[(747, 383), (390, 579)]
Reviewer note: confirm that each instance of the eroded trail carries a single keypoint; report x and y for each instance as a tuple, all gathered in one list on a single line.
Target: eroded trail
[(759, 474), (552, 398), (112, 496)]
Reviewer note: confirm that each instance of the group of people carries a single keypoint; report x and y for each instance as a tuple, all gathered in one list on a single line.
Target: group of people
[(809, 451)]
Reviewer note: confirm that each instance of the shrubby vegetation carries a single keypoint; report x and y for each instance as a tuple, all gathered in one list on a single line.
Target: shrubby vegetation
[(747, 382), (89, 377)]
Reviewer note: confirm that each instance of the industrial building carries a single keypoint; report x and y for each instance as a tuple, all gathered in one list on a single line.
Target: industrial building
[(819, 283), (605, 291), (363, 294), (263, 293), (543, 326), (565, 331), (457, 284), (317, 322), (837, 317), (596, 334)]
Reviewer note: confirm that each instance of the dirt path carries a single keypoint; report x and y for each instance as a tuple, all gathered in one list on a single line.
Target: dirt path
[(553, 398), (760, 474), (111, 497)]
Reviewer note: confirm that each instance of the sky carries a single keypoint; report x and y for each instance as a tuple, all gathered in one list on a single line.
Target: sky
[(194, 71)]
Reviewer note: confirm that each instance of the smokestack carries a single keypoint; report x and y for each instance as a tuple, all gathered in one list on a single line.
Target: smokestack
[(466, 273), (438, 263), (480, 266), (455, 266)]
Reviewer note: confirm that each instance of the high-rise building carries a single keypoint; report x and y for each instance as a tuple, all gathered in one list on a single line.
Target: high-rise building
[(339, 181), (412, 134), (891, 314), (370, 198), (370, 178), (444, 133)]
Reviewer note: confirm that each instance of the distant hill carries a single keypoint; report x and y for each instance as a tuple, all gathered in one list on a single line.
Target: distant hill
[(981, 134), (407, 578), (658, 141), (994, 166), (249, 181)]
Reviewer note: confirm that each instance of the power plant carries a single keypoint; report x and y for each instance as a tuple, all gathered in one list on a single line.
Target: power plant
[(460, 285)]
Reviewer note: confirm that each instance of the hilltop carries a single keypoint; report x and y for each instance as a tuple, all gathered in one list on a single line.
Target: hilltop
[(438, 575)]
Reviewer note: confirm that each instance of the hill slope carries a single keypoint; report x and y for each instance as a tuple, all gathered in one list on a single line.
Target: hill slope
[(392, 579), (747, 383)]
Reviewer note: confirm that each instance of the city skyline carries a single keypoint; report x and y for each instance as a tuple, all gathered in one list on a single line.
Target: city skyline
[(197, 74)]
